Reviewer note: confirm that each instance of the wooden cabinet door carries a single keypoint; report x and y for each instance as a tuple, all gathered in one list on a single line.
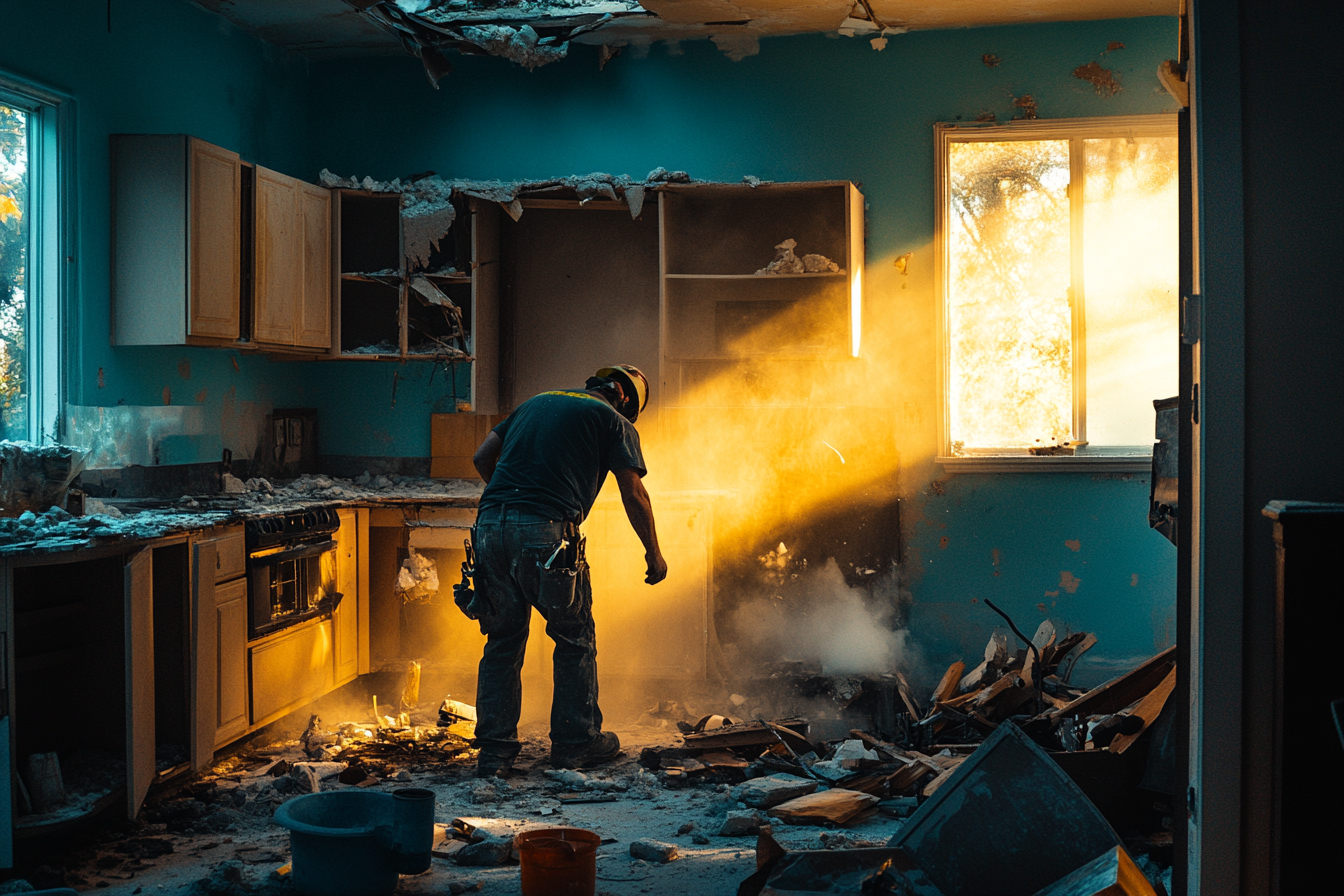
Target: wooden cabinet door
[(204, 654), (213, 241), (140, 736), (279, 261), (231, 647), (314, 324), (346, 617)]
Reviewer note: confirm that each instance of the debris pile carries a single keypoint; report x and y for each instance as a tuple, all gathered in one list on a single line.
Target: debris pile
[(786, 262)]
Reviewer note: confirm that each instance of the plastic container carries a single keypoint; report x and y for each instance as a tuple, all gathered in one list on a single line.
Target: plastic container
[(558, 861), (412, 835), (336, 845)]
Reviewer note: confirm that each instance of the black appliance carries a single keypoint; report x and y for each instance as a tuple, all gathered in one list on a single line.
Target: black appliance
[(291, 569)]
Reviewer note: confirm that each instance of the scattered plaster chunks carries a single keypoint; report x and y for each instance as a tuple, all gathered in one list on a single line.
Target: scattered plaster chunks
[(785, 261), (741, 822), (232, 485), (764, 793), (653, 851), (819, 264), (490, 851)]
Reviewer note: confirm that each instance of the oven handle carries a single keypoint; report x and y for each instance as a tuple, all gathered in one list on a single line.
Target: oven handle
[(280, 555)]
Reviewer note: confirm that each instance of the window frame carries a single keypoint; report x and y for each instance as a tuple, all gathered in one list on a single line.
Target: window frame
[(51, 270), (1097, 459)]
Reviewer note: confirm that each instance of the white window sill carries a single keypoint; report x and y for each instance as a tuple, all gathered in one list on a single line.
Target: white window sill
[(1087, 463)]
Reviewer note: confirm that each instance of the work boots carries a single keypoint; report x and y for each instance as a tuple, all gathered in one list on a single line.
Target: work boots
[(604, 748)]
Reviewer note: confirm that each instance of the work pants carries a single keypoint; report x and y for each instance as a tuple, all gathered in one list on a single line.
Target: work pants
[(509, 545)]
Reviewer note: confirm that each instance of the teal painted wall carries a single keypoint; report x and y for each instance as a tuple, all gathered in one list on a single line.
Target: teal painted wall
[(164, 67), (811, 108), (805, 108)]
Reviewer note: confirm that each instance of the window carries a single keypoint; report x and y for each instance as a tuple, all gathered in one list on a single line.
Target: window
[(31, 249), (1059, 264)]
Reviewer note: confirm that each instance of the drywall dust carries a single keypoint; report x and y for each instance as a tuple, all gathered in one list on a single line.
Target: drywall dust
[(818, 619)]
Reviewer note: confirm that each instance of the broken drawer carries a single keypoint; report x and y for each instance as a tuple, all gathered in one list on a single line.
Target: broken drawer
[(230, 555)]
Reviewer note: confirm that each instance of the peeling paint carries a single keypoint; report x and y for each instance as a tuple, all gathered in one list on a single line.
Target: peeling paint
[(102, 383), (1114, 45), (937, 486), (184, 368), (1134, 580), (1069, 582), (942, 543), (1027, 103), (167, 395), (1052, 594), (200, 396), (1104, 80), (998, 557), (1074, 545), (990, 60), (1041, 606)]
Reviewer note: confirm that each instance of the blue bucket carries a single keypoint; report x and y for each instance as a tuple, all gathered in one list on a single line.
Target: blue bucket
[(335, 843)]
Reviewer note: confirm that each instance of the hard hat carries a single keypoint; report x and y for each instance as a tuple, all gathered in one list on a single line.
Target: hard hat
[(635, 384)]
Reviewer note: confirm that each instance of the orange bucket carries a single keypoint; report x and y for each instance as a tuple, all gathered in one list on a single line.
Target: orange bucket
[(558, 861)]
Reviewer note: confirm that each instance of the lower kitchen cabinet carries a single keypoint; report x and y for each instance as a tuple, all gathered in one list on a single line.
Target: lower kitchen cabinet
[(353, 609), (290, 668), (103, 633), (231, 641)]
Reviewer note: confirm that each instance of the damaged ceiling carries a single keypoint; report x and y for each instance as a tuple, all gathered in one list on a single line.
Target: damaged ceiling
[(535, 32)]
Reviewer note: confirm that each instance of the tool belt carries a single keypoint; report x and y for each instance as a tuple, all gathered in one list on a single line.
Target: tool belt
[(474, 604), (558, 573)]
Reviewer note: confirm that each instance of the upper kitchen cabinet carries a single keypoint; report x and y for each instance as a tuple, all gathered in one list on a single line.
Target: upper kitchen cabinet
[(754, 277), (177, 241), (442, 308), (292, 292)]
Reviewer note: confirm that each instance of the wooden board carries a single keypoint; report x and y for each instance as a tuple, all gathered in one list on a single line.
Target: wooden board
[(1113, 873), (1120, 692), (835, 806), (1147, 709), (947, 688)]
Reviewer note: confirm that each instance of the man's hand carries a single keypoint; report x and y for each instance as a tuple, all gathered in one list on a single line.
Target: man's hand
[(640, 512), (657, 568)]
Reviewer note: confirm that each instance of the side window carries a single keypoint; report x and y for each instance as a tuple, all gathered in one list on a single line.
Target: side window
[(31, 268), (1059, 284)]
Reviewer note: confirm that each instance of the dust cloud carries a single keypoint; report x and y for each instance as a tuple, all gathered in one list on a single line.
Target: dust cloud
[(820, 620)]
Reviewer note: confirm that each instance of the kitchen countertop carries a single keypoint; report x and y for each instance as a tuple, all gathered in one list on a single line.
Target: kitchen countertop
[(116, 524)]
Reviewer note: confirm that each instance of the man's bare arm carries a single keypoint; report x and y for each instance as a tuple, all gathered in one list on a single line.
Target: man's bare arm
[(640, 511), (487, 456)]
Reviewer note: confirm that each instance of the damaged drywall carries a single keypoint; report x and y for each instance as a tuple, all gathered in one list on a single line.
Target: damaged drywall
[(530, 34), (1104, 80)]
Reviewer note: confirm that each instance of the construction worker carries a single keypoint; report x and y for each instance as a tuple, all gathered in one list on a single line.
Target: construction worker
[(543, 467)]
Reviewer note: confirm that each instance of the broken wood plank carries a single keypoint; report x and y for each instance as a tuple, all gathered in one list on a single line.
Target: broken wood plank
[(1121, 691), (908, 697), (1113, 873), (1147, 709), (835, 806), (748, 734), (947, 688)]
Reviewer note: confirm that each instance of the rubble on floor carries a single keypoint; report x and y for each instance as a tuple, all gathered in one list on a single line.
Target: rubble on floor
[(921, 808)]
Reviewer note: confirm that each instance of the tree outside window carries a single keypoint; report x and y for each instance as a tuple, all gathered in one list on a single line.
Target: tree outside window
[(1059, 282), (14, 250)]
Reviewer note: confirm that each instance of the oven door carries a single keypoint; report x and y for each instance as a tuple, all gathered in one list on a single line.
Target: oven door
[(289, 584)]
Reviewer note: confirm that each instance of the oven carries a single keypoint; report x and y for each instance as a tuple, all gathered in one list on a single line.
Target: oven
[(291, 569)]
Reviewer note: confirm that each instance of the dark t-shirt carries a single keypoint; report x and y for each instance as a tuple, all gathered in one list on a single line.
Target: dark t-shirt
[(558, 449)]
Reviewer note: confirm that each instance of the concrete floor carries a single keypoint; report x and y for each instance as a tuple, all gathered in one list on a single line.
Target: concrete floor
[(230, 845)]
